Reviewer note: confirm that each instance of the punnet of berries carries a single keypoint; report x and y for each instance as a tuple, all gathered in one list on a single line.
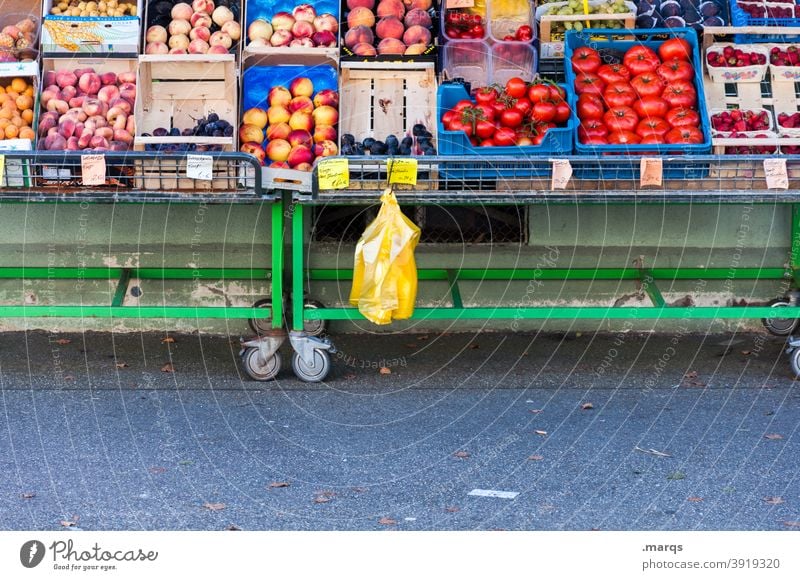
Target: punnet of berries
[(784, 56), (743, 63), (737, 120)]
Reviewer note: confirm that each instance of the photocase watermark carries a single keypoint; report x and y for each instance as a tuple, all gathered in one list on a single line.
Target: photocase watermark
[(547, 260), (66, 556), (355, 362), (31, 553)]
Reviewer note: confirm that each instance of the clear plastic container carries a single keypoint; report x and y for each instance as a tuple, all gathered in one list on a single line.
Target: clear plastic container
[(512, 59), (477, 9), (506, 16), (468, 59)]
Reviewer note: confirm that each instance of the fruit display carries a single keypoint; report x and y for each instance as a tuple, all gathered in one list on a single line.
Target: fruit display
[(418, 142), (17, 98), (390, 27), (208, 126), (94, 9), (734, 57), (743, 63), (749, 149), (464, 24), (303, 26), (789, 123), (576, 7), (85, 110), (511, 20), (199, 27), (737, 120), (297, 126), (18, 40), (518, 114), (648, 98), (695, 14)]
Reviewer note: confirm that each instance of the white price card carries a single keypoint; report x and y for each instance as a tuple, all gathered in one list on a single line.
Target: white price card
[(776, 173), (200, 167), (562, 173), (93, 169), (651, 170)]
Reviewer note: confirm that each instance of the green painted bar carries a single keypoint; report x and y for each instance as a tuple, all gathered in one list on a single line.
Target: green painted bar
[(62, 311), (455, 292), (649, 285), (277, 265), (795, 243), (298, 270), (122, 288), (144, 273)]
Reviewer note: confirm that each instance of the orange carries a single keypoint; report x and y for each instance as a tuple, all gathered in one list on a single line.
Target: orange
[(27, 116), (12, 131), (27, 133), (19, 85), (24, 102)]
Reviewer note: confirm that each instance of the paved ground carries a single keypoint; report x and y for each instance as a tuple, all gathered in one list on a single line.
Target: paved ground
[(95, 432)]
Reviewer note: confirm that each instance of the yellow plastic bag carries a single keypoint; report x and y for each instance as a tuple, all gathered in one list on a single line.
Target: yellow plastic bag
[(385, 272)]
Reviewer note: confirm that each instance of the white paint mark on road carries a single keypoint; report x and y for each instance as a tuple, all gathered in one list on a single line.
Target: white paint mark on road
[(494, 493), (410, 519)]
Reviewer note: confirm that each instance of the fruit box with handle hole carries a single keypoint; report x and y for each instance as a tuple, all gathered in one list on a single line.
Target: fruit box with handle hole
[(612, 49), (70, 33)]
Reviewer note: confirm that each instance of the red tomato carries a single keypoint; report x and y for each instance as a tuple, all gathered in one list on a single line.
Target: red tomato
[(590, 107), (486, 111), (685, 135), (504, 136), (538, 92), (487, 143), (676, 70), (647, 84), (592, 128), (557, 93), (458, 125), (623, 138), (524, 106), (484, 129), (595, 141), (462, 104), (516, 87), (641, 59), (651, 107), (544, 111), (477, 31), (511, 118), (500, 105), (675, 48), (619, 95), (652, 139), (680, 94), (486, 95), (652, 126), (621, 119), (585, 60), (539, 137), (524, 141), (682, 118), (448, 117), (563, 112), (614, 73), (589, 83), (524, 33)]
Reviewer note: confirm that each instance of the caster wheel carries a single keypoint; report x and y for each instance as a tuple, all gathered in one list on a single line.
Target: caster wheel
[(314, 327), (794, 362), (258, 369), (315, 374), (261, 325), (780, 326)]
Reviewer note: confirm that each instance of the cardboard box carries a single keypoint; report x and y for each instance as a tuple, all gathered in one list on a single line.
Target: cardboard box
[(86, 34)]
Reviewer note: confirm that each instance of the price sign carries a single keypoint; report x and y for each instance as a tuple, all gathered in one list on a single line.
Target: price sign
[(402, 171), (460, 3), (651, 171), (2, 167), (776, 174), (333, 173), (200, 167), (93, 169), (562, 173)]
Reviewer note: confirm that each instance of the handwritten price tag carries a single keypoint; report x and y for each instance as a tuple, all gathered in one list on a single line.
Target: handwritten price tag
[(776, 174), (93, 169), (200, 167), (651, 170), (402, 171), (562, 173), (333, 173), (460, 3)]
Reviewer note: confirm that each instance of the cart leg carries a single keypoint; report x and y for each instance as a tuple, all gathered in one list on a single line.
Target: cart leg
[(277, 264), (298, 267)]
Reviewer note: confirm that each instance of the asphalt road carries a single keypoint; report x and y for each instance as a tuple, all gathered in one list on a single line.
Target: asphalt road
[(684, 432)]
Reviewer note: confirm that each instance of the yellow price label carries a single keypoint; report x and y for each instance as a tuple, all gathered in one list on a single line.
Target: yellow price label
[(2, 167), (333, 173), (402, 171)]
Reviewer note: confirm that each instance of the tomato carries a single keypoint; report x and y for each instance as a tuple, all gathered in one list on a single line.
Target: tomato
[(585, 60), (524, 106), (589, 83), (486, 95), (511, 118), (685, 135), (487, 112), (621, 119), (614, 73), (675, 48), (557, 93), (651, 107), (544, 111), (647, 85), (484, 129), (487, 143), (539, 137), (680, 94), (682, 118), (448, 117), (676, 70), (563, 112), (516, 87), (623, 138), (504, 136), (477, 31), (652, 139), (524, 141), (641, 59), (524, 33), (500, 105), (592, 128), (538, 92), (458, 125), (652, 126), (619, 95), (590, 107), (462, 104), (596, 141)]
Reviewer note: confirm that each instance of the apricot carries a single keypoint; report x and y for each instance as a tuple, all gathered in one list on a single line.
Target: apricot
[(27, 116), (19, 85), (24, 102), (11, 132), (27, 133)]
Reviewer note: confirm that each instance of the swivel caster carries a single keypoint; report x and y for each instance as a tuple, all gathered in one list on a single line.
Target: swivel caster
[(311, 361), (314, 327), (260, 368), (794, 362), (780, 326)]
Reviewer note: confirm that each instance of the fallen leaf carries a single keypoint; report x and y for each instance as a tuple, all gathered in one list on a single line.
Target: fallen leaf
[(540, 432), (279, 484), (535, 458), (676, 475), (27, 495), (474, 346), (69, 378), (167, 339), (746, 352), (385, 371), (232, 528), (774, 500), (384, 521), (121, 365), (324, 496), (214, 507), (411, 345), (157, 470), (694, 498), (63, 341), (168, 368), (773, 436), (791, 524), (452, 509), (461, 454), (359, 489), (535, 411), (67, 523), (690, 375), (587, 407)]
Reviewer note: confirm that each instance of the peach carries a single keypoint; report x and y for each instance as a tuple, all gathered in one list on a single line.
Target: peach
[(302, 29), (65, 78), (258, 42), (179, 41), (219, 38), (259, 29), (198, 47), (304, 167), (279, 97), (358, 35), (218, 49), (206, 6), (156, 34), (85, 138), (353, 4), (360, 17), (156, 48), (304, 12), (306, 42), (418, 17), (418, 4), (326, 23), (202, 19), (301, 87), (127, 77), (301, 120), (324, 133), (128, 92), (391, 46), (58, 105), (278, 114), (49, 78), (279, 165), (390, 8), (121, 103), (364, 49), (417, 35), (390, 27), (177, 27), (104, 132), (221, 15), (325, 149), (299, 137), (281, 38), (123, 135), (326, 97), (130, 125), (178, 51), (325, 115), (324, 38), (301, 104), (108, 94), (255, 150), (200, 33), (75, 102), (108, 78), (98, 142), (300, 154), (68, 93), (232, 29), (278, 131), (50, 92), (251, 133), (255, 116), (89, 83), (181, 11), (416, 49), (278, 150), (282, 21), (66, 127)]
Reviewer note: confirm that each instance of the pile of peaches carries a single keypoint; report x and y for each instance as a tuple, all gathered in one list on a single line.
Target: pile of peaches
[(190, 30), (392, 27)]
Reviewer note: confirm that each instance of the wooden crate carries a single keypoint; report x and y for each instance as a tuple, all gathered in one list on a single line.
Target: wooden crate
[(174, 93), (551, 44)]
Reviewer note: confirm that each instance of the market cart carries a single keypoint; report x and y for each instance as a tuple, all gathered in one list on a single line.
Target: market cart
[(152, 178), (612, 181)]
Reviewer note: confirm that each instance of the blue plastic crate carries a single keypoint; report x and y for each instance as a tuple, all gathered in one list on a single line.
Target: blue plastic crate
[(603, 40), (266, 9), (741, 18), (557, 142)]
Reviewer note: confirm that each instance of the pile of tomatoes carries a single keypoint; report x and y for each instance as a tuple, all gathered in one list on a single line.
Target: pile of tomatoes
[(648, 98), (518, 114)]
